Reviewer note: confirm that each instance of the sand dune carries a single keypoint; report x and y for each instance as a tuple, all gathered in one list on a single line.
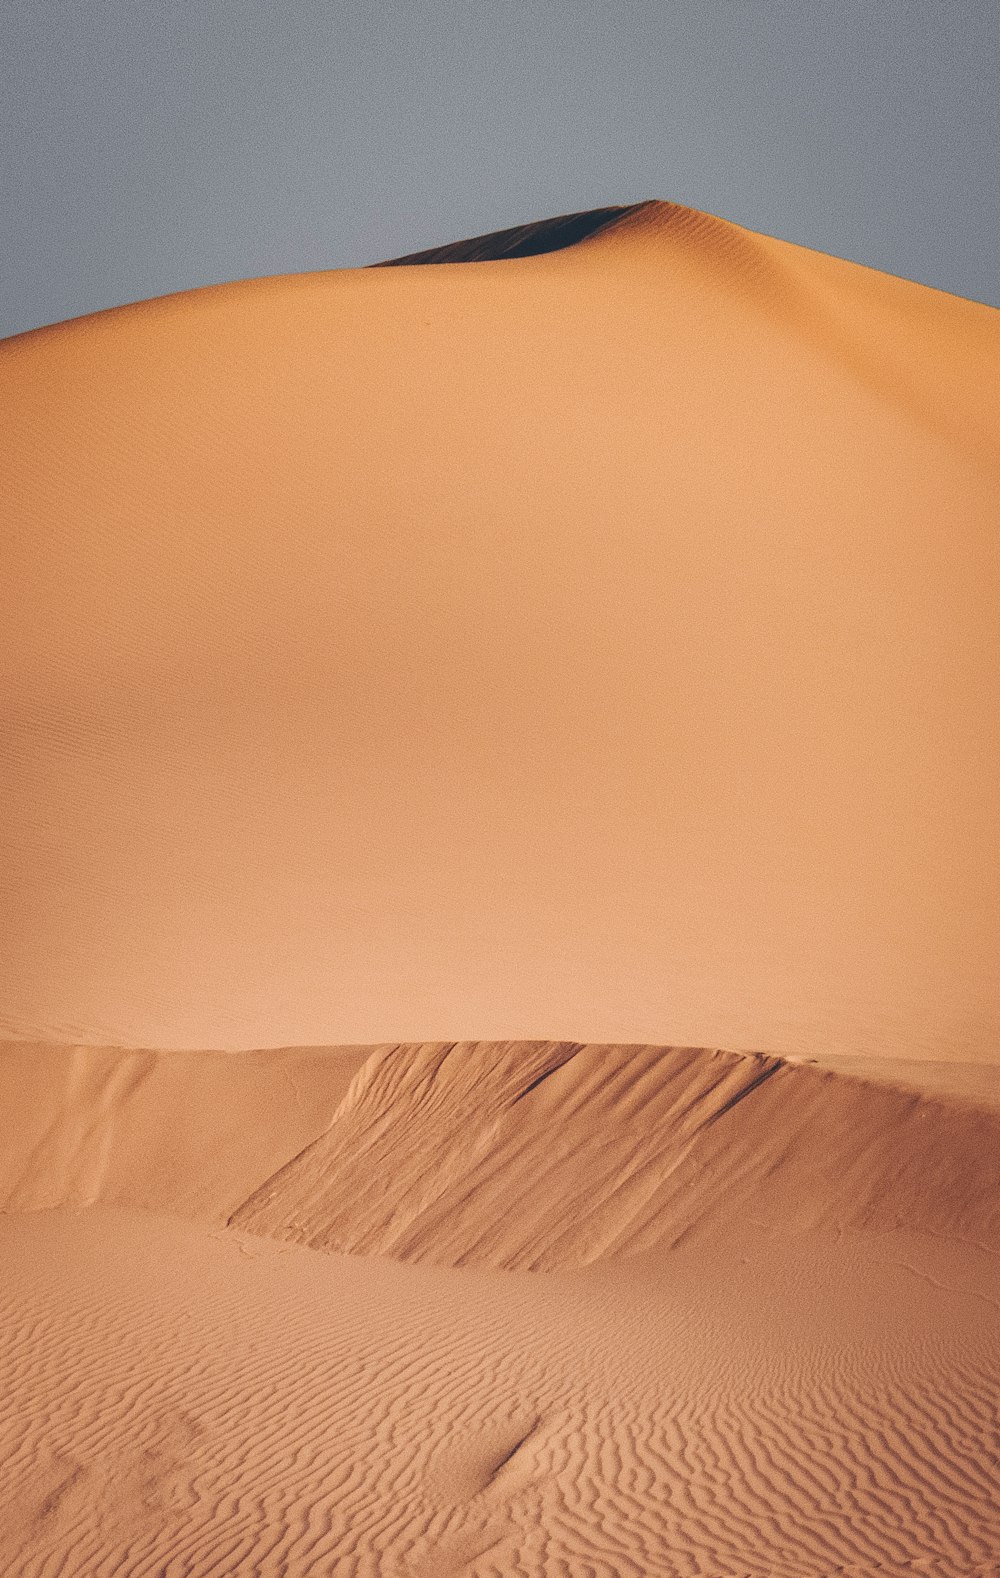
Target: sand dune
[(518, 1156), (597, 644), (595, 637), (547, 1157), (540, 1155)]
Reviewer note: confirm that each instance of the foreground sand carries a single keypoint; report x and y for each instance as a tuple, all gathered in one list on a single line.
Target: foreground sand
[(600, 643), (793, 1373)]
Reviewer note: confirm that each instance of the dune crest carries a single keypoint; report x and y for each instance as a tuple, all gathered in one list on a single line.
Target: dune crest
[(521, 241)]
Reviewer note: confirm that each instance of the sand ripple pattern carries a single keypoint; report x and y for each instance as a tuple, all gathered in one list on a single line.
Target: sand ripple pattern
[(202, 1405)]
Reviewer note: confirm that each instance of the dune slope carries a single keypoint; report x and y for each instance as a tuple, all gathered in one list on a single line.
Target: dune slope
[(598, 644), (187, 1132), (516, 1155), (550, 1156)]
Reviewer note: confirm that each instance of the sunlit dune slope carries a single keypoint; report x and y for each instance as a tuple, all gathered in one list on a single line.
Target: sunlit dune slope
[(599, 644), (187, 1132), (519, 1156), (593, 637)]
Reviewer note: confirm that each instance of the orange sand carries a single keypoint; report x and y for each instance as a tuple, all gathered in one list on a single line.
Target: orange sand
[(760, 1339), (600, 643)]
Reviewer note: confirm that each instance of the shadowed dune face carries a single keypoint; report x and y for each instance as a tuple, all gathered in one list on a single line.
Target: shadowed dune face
[(542, 1156), (522, 241), (599, 643), (548, 1156)]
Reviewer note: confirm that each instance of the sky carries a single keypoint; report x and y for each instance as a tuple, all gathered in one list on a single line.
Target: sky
[(154, 145)]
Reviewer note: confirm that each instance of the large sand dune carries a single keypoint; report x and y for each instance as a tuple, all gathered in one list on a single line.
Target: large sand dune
[(597, 644), (594, 637)]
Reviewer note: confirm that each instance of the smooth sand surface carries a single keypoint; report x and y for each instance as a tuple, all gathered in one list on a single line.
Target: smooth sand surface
[(595, 642)]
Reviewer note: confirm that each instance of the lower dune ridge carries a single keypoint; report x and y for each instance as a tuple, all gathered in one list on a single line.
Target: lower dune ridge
[(673, 1311), (520, 1155), (549, 1155)]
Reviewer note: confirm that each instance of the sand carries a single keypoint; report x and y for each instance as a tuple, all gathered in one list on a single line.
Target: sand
[(599, 644), (518, 1309), (591, 635)]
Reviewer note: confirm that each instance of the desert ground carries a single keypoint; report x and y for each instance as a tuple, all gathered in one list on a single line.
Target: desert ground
[(499, 1010)]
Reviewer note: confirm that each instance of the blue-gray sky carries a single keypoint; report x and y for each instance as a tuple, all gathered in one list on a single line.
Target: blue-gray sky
[(153, 145)]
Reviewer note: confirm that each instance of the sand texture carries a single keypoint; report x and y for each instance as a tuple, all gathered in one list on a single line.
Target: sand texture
[(583, 631), (765, 1341)]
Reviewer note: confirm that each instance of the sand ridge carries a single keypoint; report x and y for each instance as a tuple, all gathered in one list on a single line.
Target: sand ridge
[(517, 1156), (521, 241), (546, 1156)]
